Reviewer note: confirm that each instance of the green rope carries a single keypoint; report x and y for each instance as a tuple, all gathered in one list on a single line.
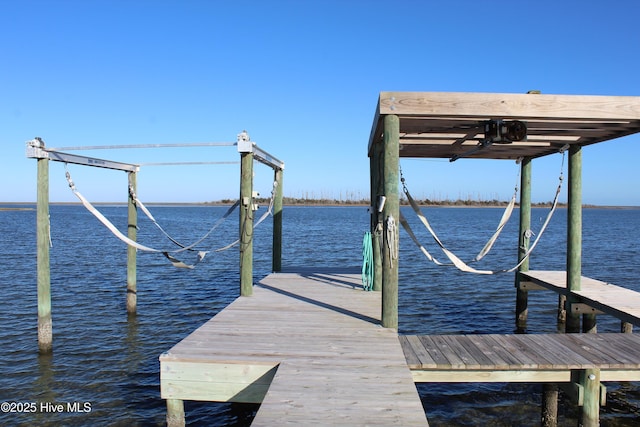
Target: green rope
[(367, 262)]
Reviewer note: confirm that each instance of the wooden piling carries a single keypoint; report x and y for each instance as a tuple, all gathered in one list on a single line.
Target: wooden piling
[(376, 242), (276, 263), (590, 414), (43, 232), (589, 323), (390, 213), (175, 413), (373, 208), (132, 233), (522, 296), (562, 313), (574, 234), (377, 190), (246, 224), (549, 406), (549, 417)]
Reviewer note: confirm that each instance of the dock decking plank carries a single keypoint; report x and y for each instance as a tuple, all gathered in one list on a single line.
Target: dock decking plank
[(527, 361), (417, 348), (503, 354), (547, 346), (480, 357), (538, 352), (607, 347), (433, 349), (455, 361), (489, 349), (458, 347)]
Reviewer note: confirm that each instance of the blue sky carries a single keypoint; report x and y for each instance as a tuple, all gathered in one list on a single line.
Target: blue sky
[(303, 78)]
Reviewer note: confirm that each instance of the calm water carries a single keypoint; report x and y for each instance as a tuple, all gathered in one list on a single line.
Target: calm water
[(111, 362)]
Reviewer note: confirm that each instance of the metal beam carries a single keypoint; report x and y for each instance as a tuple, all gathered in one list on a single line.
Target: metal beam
[(265, 158), (245, 145), (36, 150), (222, 162), (91, 161), (170, 145)]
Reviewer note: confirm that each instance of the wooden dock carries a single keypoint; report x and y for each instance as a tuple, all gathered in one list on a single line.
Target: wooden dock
[(308, 346), (597, 295), (546, 358), (578, 363)]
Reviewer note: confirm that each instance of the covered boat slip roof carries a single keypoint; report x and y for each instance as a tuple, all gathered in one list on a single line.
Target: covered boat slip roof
[(450, 124)]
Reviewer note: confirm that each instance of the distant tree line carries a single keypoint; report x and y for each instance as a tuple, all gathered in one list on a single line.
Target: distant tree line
[(365, 202)]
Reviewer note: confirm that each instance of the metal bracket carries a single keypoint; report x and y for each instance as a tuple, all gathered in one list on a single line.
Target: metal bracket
[(35, 149), (245, 145), (244, 142), (381, 201)]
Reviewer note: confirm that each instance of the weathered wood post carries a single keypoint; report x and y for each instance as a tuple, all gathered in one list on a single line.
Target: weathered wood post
[(245, 147), (589, 323), (589, 320), (373, 205), (590, 378), (132, 233), (390, 213), (43, 232), (549, 405), (175, 413), (574, 235), (277, 222), (590, 413), (522, 295), (377, 190), (562, 313)]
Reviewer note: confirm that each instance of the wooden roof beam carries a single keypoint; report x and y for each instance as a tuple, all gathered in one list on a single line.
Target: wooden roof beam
[(509, 106)]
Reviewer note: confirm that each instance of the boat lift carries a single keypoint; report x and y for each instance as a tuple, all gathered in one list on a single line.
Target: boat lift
[(248, 151)]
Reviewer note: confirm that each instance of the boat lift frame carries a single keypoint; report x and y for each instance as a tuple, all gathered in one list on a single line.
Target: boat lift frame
[(248, 151)]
